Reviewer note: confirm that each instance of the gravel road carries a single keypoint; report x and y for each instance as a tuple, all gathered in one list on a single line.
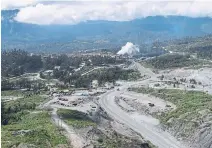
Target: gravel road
[(149, 131), (76, 140)]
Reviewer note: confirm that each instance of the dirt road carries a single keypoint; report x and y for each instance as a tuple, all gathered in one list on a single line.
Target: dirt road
[(141, 69), (76, 140), (149, 131)]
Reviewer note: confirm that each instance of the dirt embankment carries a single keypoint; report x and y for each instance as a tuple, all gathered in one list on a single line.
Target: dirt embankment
[(190, 120), (109, 133)]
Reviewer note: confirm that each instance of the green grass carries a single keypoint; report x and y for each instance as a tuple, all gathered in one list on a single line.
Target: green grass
[(135, 75), (19, 93), (75, 118), (201, 46), (116, 140), (27, 100), (12, 111), (43, 132), (11, 93), (186, 101), (21, 114), (174, 61)]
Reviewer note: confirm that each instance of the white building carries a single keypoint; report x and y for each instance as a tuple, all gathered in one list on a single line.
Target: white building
[(48, 73), (109, 85), (95, 83), (57, 67)]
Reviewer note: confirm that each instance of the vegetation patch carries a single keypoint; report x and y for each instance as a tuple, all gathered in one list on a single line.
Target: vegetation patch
[(35, 128), (173, 61), (75, 118), (12, 111), (16, 93), (18, 62), (115, 140), (23, 125), (106, 75), (200, 46)]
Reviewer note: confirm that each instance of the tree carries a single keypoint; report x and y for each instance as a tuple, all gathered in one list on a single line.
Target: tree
[(17, 62), (174, 85)]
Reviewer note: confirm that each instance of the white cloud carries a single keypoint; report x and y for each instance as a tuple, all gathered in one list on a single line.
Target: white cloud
[(13, 4), (74, 12)]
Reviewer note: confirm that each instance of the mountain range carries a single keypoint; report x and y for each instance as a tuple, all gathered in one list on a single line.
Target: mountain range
[(98, 34)]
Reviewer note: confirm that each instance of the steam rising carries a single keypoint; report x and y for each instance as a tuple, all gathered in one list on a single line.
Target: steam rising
[(129, 49)]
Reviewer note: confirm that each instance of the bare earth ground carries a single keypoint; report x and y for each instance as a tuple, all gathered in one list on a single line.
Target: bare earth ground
[(130, 112)]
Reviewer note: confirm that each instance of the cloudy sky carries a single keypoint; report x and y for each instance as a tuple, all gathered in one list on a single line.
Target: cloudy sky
[(73, 12)]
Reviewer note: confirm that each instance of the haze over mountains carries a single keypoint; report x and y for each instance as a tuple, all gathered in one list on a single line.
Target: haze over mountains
[(98, 34)]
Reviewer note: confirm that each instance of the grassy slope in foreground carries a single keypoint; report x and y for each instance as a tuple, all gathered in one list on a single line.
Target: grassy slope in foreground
[(193, 109), (42, 132), (21, 114)]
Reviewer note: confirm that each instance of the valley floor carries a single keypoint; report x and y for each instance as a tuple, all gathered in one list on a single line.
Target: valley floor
[(139, 113)]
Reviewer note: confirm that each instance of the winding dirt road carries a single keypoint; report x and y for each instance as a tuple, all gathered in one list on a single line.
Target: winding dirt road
[(150, 132)]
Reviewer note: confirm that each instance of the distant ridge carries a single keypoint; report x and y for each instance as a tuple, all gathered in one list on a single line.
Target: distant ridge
[(99, 34)]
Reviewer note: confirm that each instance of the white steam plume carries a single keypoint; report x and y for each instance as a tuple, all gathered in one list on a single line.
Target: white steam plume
[(129, 49)]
